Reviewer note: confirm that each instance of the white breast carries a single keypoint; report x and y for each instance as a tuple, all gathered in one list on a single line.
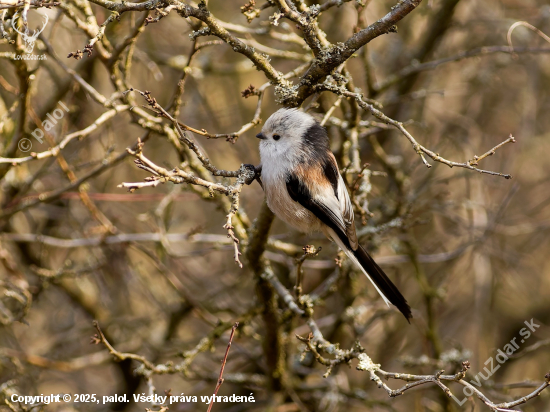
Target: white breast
[(274, 172)]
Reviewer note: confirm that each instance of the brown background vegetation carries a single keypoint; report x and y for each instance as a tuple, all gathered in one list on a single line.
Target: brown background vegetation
[(468, 250)]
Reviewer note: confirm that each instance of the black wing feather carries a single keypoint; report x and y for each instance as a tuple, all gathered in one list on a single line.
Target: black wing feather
[(301, 194), (331, 173)]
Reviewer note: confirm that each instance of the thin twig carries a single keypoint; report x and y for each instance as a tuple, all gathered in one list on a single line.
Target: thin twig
[(220, 377), (309, 251)]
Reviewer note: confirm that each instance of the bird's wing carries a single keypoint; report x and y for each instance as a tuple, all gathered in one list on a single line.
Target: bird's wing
[(346, 207), (321, 190)]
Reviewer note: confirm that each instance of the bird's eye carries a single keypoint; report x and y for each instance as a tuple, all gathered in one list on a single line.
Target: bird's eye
[(276, 137)]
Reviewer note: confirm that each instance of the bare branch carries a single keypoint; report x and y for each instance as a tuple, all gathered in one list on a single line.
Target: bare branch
[(339, 53), (418, 148), (480, 51)]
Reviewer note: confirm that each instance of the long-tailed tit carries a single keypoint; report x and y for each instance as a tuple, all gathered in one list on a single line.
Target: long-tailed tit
[(303, 187)]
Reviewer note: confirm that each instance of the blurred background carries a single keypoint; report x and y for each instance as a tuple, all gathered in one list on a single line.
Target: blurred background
[(155, 269)]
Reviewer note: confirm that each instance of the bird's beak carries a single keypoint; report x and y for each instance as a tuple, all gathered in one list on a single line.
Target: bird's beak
[(261, 136)]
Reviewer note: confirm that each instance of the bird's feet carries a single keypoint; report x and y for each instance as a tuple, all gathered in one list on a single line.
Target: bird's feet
[(254, 172)]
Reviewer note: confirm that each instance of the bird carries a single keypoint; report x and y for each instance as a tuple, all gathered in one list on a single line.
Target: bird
[(304, 188)]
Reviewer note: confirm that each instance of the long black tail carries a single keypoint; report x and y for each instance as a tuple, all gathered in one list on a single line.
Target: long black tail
[(381, 280)]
